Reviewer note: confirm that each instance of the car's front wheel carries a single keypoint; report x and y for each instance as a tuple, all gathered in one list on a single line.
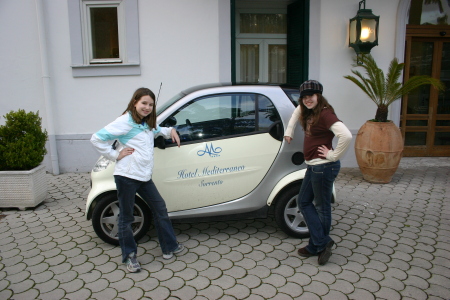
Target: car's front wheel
[(288, 215), (105, 219)]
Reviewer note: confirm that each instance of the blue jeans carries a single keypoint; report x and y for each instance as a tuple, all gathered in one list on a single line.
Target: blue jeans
[(126, 192), (314, 201)]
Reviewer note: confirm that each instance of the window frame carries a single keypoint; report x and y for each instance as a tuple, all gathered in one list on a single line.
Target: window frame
[(128, 23), (87, 31)]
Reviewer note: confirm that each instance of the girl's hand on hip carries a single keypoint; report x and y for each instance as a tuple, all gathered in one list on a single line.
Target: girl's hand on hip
[(175, 137), (125, 152), (323, 151)]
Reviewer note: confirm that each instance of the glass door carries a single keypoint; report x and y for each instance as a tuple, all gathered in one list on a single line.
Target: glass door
[(425, 120)]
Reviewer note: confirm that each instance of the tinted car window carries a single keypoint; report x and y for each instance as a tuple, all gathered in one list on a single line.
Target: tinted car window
[(221, 116), (293, 94)]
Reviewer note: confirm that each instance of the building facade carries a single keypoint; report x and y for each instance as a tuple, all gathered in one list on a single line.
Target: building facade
[(78, 62)]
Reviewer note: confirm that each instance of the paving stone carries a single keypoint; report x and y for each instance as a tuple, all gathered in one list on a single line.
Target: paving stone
[(238, 291), (47, 286), (79, 295), (361, 294), (388, 293), (317, 288), (185, 292), (199, 282), (133, 293), (368, 284), (410, 254), (187, 274)]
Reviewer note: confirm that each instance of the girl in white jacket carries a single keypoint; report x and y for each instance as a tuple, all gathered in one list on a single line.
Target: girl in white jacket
[(136, 129)]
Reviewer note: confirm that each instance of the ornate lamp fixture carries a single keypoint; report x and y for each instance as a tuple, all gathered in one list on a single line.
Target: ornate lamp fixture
[(363, 31)]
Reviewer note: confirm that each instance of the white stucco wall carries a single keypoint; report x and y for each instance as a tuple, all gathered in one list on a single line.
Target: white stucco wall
[(334, 59), (179, 46), (182, 43), (20, 64)]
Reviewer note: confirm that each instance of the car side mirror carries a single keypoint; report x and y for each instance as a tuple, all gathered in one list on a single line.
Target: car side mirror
[(276, 130), (171, 121)]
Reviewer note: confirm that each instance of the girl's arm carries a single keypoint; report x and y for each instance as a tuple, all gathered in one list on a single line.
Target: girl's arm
[(110, 132), (167, 133), (289, 133), (344, 138)]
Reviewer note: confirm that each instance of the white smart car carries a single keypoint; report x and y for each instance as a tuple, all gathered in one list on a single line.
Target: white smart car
[(233, 161)]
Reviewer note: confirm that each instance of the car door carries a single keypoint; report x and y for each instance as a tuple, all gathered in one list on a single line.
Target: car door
[(228, 144)]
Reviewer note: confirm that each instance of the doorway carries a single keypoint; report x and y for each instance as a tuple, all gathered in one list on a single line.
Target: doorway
[(425, 117), (270, 41)]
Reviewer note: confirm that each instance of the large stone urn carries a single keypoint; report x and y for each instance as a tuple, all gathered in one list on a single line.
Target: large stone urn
[(378, 149)]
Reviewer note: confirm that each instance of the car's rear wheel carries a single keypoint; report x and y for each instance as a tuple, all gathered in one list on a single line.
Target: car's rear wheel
[(105, 219), (288, 215)]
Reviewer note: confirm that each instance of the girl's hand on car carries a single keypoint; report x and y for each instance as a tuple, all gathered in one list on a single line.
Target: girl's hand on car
[(288, 139), (125, 152), (175, 137)]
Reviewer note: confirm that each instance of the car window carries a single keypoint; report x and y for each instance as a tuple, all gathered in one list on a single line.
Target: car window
[(293, 94), (222, 116)]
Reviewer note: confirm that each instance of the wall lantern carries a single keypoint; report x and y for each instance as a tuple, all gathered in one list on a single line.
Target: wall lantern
[(363, 31)]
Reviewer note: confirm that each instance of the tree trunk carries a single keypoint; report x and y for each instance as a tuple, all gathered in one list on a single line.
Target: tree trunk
[(382, 113)]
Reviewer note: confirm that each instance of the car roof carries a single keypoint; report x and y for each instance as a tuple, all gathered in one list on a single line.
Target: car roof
[(223, 84)]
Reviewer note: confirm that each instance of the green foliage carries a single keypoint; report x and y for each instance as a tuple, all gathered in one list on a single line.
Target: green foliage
[(22, 141), (384, 90)]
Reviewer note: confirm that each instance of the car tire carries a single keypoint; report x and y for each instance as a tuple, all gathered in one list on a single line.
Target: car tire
[(288, 216), (105, 219)]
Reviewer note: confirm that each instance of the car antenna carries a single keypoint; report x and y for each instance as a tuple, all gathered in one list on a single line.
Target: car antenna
[(158, 93)]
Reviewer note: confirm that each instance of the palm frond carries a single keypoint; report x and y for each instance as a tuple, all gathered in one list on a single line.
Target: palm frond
[(384, 90), (415, 82), (364, 84)]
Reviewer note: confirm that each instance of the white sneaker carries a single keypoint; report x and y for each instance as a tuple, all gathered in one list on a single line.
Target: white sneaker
[(132, 264), (177, 250)]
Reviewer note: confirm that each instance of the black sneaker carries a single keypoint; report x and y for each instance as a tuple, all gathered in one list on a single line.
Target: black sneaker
[(324, 256)]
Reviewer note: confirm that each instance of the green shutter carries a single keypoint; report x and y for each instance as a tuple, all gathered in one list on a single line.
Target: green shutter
[(297, 42)]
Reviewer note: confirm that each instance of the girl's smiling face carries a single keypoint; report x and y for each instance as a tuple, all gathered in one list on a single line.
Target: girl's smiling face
[(144, 106), (310, 101)]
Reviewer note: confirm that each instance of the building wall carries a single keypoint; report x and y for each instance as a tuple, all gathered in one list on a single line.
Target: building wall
[(331, 58), (182, 43)]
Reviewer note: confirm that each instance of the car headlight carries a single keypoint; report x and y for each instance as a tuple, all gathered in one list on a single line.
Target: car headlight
[(101, 164)]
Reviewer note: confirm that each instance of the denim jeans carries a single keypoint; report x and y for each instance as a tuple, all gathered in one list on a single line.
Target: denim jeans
[(314, 201), (126, 191)]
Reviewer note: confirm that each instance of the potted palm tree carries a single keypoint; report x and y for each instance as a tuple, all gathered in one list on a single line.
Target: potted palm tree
[(379, 143), (23, 181)]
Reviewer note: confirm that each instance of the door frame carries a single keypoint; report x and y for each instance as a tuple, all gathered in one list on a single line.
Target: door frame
[(435, 34)]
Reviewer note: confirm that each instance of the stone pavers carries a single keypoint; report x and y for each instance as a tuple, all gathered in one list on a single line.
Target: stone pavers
[(392, 243)]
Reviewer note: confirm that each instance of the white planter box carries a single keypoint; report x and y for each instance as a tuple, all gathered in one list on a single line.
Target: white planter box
[(23, 189)]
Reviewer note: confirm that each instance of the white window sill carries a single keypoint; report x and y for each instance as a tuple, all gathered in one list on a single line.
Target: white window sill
[(106, 70)]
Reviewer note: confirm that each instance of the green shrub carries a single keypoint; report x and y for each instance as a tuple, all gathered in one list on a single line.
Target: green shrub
[(22, 141)]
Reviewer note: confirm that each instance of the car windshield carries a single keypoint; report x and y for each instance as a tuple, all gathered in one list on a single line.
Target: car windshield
[(168, 103)]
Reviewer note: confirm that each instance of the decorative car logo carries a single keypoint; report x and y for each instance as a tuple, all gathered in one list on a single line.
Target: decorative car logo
[(213, 152)]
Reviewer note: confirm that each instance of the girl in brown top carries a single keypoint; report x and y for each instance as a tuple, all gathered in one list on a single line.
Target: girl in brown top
[(321, 125)]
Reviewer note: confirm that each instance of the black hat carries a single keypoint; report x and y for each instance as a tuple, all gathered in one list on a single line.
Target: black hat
[(310, 87)]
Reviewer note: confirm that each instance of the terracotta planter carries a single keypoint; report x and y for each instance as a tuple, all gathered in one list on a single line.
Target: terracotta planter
[(378, 149), (23, 189)]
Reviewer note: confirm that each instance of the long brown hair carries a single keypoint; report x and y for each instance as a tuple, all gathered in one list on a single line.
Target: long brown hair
[(151, 118), (314, 113)]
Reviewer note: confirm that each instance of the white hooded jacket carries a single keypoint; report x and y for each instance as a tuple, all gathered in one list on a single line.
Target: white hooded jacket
[(138, 165)]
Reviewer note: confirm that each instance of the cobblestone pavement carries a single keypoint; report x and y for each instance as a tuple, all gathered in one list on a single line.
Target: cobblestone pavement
[(393, 242)]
